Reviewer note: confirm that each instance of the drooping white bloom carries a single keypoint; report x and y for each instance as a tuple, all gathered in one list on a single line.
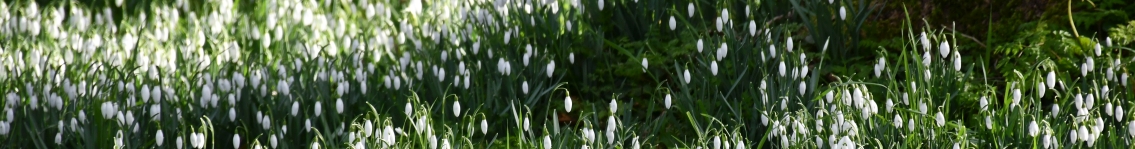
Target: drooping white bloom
[(159, 137), (179, 141), (686, 76), (944, 48), (282, 87), (611, 124), (272, 140), (339, 105), (295, 108), (526, 124), (940, 119), (890, 104), (667, 101), (1131, 128), (716, 142), (644, 64), (1108, 41), (925, 41), (898, 121), (1051, 79), (547, 142), (720, 24), (782, 68), (614, 106), (983, 102), (690, 9), (988, 122), (803, 88), (524, 87), (318, 108), (1040, 88), (571, 57), (722, 51), (842, 13), (713, 67), (601, 5), (700, 45), (957, 62), (456, 108), (232, 114), (789, 44), (752, 28), (1099, 49), (236, 140), (1119, 113), (551, 68), (673, 23), (1107, 109), (1016, 98), (1034, 130), (1055, 110), (926, 58), (484, 126)]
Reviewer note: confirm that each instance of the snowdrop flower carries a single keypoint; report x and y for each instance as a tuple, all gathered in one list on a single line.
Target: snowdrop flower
[(752, 28), (1108, 41), (59, 138), (713, 67), (898, 121), (926, 58), (1040, 88), (925, 41), (1051, 79), (716, 142), (988, 122), (236, 140), (1099, 49), (842, 13), (611, 129), (690, 9), (722, 51), (526, 124), (295, 108), (282, 87), (673, 23), (700, 45), (940, 119), (782, 68), (686, 76), (179, 142), (232, 114), (667, 101), (1055, 110), (318, 108), (944, 48), (957, 62), (984, 103), (720, 24), (890, 104), (408, 109), (551, 68), (644, 64), (484, 126), (456, 108), (803, 88), (567, 104), (1107, 109), (1033, 129), (547, 142), (789, 44), (1119, 113), (1074, 135), (614, 106), (524, 87), (571, 57), (315, 145), (1016, 98), (339, 105), (1131, 128), (601, 5)]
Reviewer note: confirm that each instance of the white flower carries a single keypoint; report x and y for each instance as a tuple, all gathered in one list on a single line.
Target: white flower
[(725, 15), (295, 108), (957, 62), (232, 114), (988, 122), (408, 109), (690, 9), (1051, 79), (1108, 41), (644, 64), (700, 45), (1074, 135), (944, 49), (601, 5), (547, 142), (524, 87), (1119, 113), (318, 108), (898, 121), (890, 104), (272, 140), (803, 88), (926, 58), (159, 137), (1033, 129), (720, 24), (567, 104), (282, 87), (551, 68), (526, 124), (752, 28), (1099, 49), (236, 140), (673, 23), (1107, 109), (571, 57), (433, 141), (716, 142), (1055, 110), (484, 126), (925, 41), (722, 51), (611, 129), (456, 108), (667, 101), (686, 76), (58, 138), (1016, 98), (1131, 128), (940, 119), (179, 141), (339, 105), (614, 106), (789, 44), (842, 13), (1040, 88), (713, 67), (315, 145), (782, 68)]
